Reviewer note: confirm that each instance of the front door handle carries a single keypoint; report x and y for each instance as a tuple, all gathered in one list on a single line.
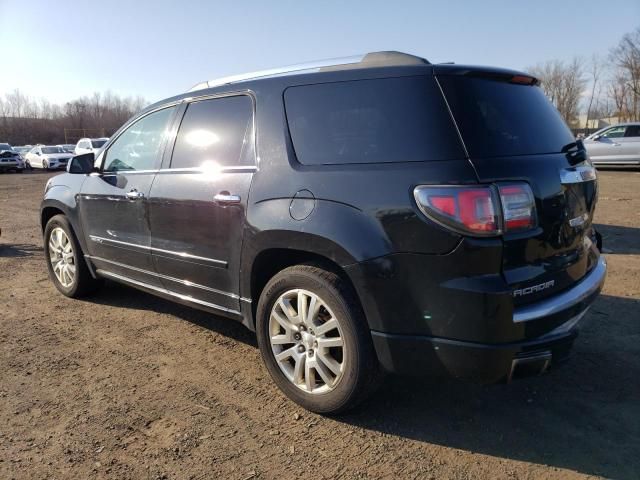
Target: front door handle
[(226, 198), (135, 194)]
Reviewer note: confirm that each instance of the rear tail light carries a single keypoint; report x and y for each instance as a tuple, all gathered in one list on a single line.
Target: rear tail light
[(518, 207), (486, 210)]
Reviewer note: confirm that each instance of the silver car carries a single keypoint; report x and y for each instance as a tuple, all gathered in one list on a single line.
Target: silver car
[(616, 145)]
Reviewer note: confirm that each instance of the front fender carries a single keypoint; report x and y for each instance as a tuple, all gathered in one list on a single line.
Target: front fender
[(61, 194)]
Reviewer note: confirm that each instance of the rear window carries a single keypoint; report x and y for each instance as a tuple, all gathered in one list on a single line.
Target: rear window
[(497, 118), (371, 121), (98, 143)]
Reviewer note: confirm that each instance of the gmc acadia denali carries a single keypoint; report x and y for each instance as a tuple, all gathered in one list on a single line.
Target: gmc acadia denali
[(377, 213)]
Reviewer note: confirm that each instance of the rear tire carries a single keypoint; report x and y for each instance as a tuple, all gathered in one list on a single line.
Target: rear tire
[(326, 362), (65, 262)]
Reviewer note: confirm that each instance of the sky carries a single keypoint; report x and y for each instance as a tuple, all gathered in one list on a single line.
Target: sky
[(62, 49)]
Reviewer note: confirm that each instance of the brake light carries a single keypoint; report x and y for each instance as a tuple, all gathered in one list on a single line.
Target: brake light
[(468, 210), (523, 80), (485, 210)]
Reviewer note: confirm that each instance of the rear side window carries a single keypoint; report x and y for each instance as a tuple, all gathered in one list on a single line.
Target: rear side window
[(497, 118), (371, 121), (214, 132)]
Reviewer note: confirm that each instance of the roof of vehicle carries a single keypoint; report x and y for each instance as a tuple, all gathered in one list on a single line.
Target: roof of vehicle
[(90, 139), (394, 63), (368, 60)]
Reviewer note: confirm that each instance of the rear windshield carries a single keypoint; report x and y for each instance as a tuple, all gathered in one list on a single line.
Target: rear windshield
[(498, 118), (371, 121), (98, 143)]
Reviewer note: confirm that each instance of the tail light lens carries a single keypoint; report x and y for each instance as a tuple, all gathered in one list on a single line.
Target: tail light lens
[(468, 210), (485, 210), (518, 207)]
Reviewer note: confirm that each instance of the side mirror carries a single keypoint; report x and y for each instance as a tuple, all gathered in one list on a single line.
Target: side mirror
[(596, 138), (81, 163)]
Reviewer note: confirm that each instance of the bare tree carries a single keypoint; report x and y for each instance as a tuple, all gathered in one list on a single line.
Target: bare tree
[(626, 84), (25, 120), (563, 82), (595, 71)]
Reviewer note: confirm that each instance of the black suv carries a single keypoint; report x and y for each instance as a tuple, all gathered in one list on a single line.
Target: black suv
[(376, 214)]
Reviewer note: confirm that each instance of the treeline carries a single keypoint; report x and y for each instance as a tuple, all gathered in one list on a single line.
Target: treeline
[(24, 120), (600, 88)]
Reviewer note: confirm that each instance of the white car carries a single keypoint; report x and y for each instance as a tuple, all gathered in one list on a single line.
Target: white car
[(68, 147), (45, 157), (89, 145)]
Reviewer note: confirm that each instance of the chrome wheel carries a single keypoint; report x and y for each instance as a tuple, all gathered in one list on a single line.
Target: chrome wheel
[(306, 341), (61, 257)]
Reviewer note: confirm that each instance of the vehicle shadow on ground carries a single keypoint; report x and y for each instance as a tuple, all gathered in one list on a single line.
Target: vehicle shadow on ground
[(19, 250), (583, 416), (118, 295), (620, 240)]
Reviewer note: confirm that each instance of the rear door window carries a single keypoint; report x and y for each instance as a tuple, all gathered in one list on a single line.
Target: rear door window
[(632, 131), (371, 121), (215, 133), (497, 118)]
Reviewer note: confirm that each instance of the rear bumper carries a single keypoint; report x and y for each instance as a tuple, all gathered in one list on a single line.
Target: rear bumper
[(492, 362)]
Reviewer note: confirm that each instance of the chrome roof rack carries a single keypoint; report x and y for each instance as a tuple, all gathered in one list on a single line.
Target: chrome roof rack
[(373, 59)]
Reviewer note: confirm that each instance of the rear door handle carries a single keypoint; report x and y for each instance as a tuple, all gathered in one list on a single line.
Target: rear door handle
[(135, 194), (227, 198)]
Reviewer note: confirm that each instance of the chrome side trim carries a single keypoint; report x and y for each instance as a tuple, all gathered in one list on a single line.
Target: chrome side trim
[(165, 277), (583, 173), (182, 255), (589, 285), (164, 291), (228, 169)]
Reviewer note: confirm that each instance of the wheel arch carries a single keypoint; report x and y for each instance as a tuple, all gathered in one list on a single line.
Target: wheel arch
[(268, 262)]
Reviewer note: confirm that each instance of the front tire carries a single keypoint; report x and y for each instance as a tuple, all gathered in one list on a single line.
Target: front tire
[(66, 265), (314, 340), (45, 165)]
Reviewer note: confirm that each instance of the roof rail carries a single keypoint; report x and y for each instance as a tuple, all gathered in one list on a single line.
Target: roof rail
[(390, 58)]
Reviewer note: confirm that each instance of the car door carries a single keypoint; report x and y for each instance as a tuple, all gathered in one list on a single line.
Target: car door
[(606, 149), (35, 157), (113, 202), (197, 205), (630, 144)]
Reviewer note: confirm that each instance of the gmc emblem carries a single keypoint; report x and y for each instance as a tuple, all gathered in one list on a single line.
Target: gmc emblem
[(535, 288)]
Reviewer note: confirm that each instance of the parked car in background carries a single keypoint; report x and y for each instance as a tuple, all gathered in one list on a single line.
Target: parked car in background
[(402, 216), (10, 160), (23, 150), (89, 145), (47, 157), (68, 147), (615, 145)]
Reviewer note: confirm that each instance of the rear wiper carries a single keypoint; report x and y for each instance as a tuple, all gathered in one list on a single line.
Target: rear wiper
[(569, 146), (575, 156)]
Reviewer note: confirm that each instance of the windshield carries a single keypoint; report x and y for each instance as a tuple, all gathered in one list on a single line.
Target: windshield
[(5, 146), (98, 143), (497, 118), (52, 150)]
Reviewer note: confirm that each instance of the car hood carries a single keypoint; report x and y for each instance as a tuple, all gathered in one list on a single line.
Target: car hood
[(57, 156)]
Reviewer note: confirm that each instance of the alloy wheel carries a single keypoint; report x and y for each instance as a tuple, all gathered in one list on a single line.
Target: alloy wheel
[(61, 257), (307, 341)]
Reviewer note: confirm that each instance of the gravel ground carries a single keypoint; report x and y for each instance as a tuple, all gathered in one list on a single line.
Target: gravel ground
[(125, 385)]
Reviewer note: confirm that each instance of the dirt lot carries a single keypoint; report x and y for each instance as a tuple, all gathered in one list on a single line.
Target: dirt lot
[(125, 385)]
